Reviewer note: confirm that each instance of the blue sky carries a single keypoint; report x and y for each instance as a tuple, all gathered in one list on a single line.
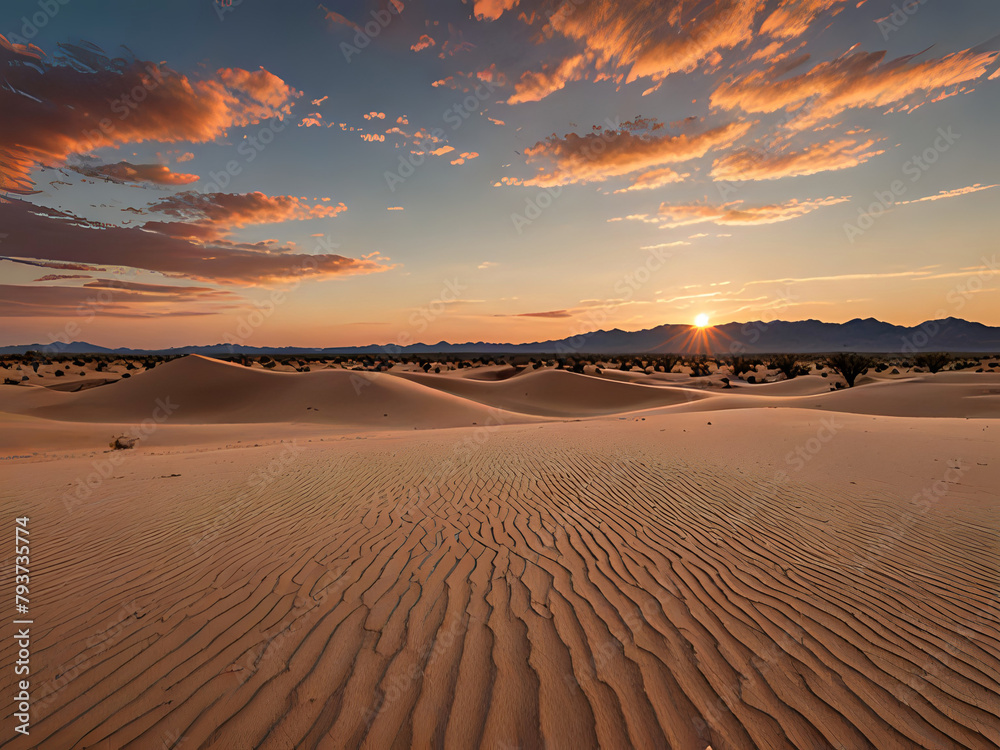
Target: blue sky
[(747, 142)]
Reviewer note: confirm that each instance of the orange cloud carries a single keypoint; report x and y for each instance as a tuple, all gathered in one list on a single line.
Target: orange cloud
[(158, 174), (635, 146), (547, 314), (55, 109), (792, 18), (336, 18), (56, 237), (649, 38), (115, 298), (424, 42), (653, 179), (729, 214), (490, 10), (212, 215), (755, 164), (957, 192), (536, 85), (852, 81)]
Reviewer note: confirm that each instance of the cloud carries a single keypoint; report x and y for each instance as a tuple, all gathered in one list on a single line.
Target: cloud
[(635, 146), (423, 43), (313, 119), (646, 38), (731, 214), (86, 101), (335, 18), (756, 164), (47, 237), (843, 277), (52, 264), (486, 264), (792, 18), (207, 216), (394, 208), (957, 192), (465, 156), (158, 174), (855, 80), (318, 102), (653, 179), (114, 299), (547, 314), (61, 276), (536, 85)]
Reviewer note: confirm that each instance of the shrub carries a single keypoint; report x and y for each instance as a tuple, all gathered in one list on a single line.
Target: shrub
[(933, 361), (740, 365), (850, 365), (699, 367), (788, 364)]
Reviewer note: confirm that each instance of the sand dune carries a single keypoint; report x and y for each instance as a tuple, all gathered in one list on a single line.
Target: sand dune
[(594, 564), (556, 587), (557, 393), (209, 391)]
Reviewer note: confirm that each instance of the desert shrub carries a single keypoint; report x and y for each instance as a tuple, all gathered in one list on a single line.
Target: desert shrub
[(849, 365), (740, 365), (933, 361), (699, 367), (669, 363), (788, 364)]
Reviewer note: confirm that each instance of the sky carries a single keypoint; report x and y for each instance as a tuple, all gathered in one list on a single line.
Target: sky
[(394, 171)]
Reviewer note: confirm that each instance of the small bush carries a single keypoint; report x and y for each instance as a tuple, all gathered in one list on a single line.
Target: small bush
[(933, 361), (850, 366)]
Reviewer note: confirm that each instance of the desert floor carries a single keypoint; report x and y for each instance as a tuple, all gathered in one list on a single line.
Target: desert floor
[(388, 560)]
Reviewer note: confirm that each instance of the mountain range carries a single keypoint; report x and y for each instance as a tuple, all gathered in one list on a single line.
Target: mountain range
[(778, 336)]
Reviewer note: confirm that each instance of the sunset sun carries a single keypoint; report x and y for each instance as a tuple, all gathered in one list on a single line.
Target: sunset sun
[(701, 320)]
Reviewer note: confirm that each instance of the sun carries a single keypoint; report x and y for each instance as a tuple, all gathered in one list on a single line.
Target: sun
[(701, 320)]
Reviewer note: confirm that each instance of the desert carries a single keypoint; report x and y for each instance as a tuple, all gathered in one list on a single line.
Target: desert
[(546, 559), (499, 375)]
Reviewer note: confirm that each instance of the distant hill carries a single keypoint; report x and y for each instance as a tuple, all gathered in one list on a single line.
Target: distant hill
[(754, 337)]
